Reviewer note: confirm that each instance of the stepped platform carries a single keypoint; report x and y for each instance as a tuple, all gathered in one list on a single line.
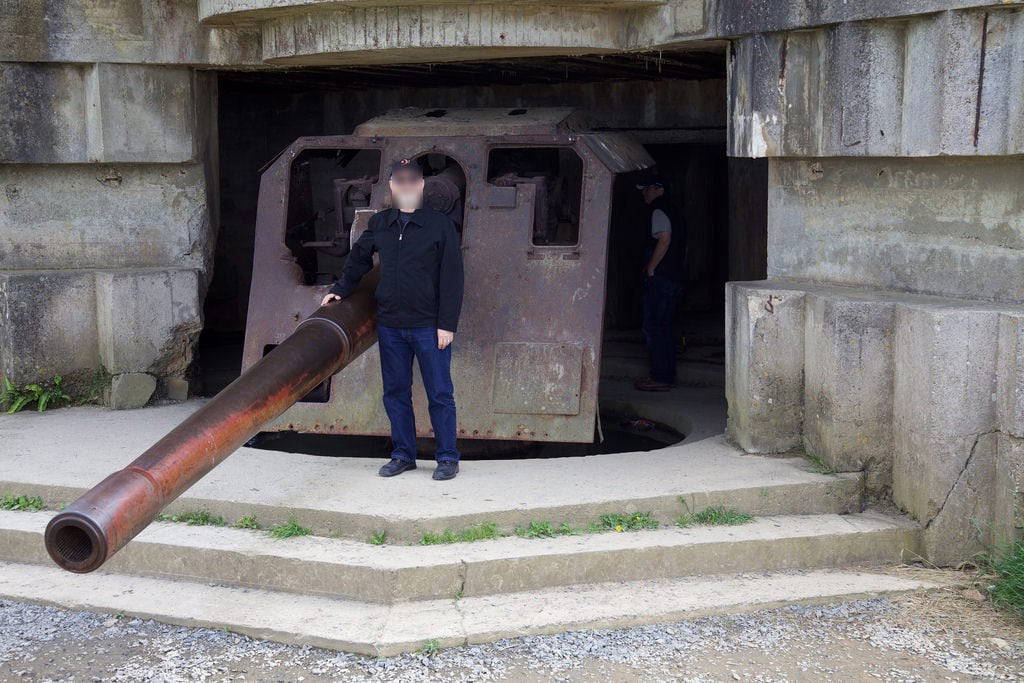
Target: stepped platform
[(810, 540), (59, 455)]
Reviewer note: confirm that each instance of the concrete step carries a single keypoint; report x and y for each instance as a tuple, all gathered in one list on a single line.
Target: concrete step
[(384, 630), (396, 573)]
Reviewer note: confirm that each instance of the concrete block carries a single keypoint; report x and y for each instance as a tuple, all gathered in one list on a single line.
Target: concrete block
[(130, 390), (42, 113), (848, 384), (1008, 500), (176, 388), (148, 320), (944, 385), (962, 527), (47, 325), (140, 113), (100, 216), (1010, 374), (764, 366)]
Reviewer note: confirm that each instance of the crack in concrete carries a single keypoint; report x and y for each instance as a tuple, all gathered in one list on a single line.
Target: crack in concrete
[(963, 469), (463, 569)]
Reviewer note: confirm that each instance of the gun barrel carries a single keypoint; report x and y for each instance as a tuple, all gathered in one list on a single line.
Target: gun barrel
[(86, 533)]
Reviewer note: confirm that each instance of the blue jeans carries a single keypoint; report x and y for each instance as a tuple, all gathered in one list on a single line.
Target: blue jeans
[(660, 297), (398, 345)]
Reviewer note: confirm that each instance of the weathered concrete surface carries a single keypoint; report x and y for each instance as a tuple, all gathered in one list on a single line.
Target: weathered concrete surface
[(47, 324), (103, 216), (1010, 375), (848, 393), (130, 390), (343, 495), (934, 226), (42, 113), (397, 573), (944, 383), (119, 31), (140, 113), (149, 320), (74, 322), (736, 17), (962, 527), (941, 83), (764, 360), (79, 113), (374, 630), (1008, 498)]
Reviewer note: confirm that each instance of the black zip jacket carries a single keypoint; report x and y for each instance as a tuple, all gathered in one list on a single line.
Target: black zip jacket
[(420, 269)]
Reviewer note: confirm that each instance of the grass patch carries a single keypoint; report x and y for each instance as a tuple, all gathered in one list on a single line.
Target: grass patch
[(378, 538), (714, 516), (248, 522), (194, 518), (290, 529), (633, 522), (1007, 567), (430, 648), (480, 532), (22, 503), (537, 530), (818, 464)]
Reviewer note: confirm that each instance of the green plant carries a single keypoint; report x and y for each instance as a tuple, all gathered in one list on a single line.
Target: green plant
[(818, 464), (480, 532), (537, 530), (43, 394), (717, 516), (379, 538), (194, 518), (290, 529), (97, 384), (430, 648), (248, 522), (633, 522), (22, 503), (1006, 565)]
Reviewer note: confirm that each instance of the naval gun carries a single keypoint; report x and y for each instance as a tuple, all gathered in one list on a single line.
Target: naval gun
[(530, 192)]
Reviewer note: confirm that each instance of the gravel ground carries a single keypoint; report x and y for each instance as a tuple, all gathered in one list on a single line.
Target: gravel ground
[(948, 634)]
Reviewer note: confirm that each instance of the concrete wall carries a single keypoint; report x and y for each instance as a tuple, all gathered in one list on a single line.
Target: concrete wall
[(922, 393), (950, 226), (107, 214)]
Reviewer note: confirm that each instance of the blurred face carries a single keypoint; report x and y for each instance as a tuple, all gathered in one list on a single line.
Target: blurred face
[(406, 190), (652, 192)]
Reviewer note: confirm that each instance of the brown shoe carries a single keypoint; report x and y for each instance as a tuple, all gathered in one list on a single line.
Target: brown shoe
[(648, 384)]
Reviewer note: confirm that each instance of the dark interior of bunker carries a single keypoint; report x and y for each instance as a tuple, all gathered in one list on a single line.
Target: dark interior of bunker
[(672, 103)]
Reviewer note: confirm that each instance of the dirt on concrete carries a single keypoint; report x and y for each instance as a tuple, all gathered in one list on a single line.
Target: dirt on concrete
[(949, 634)]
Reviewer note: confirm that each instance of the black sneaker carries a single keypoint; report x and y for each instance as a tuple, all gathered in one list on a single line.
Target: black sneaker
[(396, 466), (446, 470)]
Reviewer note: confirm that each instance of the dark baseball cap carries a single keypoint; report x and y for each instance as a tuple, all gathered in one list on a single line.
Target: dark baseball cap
[(652, 180), (405, 165)]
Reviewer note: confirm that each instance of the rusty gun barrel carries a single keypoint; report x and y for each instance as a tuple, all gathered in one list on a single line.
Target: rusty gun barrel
[(87, 532)]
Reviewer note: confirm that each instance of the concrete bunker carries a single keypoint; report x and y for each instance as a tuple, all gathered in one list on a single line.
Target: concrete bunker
[(675, 107)]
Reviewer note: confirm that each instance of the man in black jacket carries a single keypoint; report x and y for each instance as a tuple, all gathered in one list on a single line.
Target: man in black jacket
[(419, 298), (665, 235)]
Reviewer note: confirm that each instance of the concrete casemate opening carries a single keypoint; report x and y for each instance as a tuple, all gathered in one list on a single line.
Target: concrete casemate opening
[(674, 103)]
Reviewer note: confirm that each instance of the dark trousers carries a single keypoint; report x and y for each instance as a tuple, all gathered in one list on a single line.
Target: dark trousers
[(660, 298), (398, 346)]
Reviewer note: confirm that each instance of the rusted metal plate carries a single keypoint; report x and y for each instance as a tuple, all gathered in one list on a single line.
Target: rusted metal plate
[(517, 292), (538, 379)]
